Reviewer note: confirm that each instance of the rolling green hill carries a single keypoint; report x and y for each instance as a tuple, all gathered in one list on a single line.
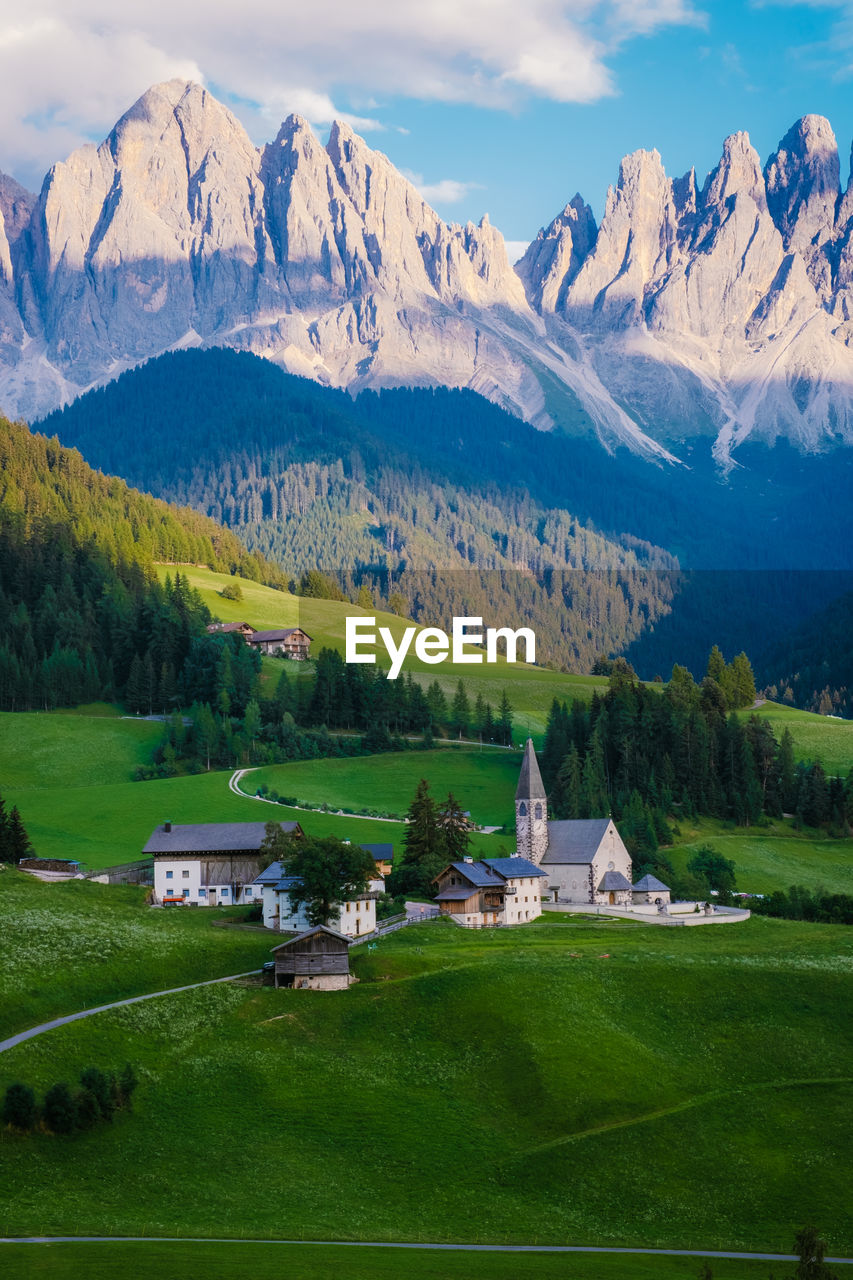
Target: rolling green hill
[(690, 1087)]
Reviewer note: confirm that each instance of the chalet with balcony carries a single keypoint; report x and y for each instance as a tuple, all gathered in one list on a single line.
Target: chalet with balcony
[(244, 629), (494, 891), (292, 642)]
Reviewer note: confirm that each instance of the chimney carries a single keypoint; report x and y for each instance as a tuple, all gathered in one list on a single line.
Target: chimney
[(469, 859), (167, 826)]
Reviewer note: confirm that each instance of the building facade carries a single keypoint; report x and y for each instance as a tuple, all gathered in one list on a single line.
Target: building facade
[(209, 864), (292, 642), (493, 891)]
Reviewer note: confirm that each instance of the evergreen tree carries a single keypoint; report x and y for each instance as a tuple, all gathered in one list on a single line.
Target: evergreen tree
[(460, 712), (455, 828), (716, 665), (425, 846), (504, 721), (19, 1107), (60, 1110), (17, 843)]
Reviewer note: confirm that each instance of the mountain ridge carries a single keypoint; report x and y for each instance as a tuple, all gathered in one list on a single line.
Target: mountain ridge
[(718, 314)]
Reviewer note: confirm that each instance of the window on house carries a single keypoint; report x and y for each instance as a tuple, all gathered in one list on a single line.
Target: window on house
[(170, 875), (224, 891), (249, 892), (202, 893), (186, 893), (185, 874)]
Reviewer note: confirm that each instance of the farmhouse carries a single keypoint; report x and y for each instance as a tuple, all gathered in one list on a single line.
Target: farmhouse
[(317, 959), (357, 917), (490, 892), (585, 859), (208, 864), (292, 642)]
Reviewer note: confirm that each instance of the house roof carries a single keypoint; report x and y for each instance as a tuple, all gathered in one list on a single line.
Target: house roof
[(380, 852), (478, 873), (212, 837), (530, 785), (650, 884), (458, 894), (510, 868), (287, 882), (223, 628), (309, 933), (262, 636), (613, 880), (271, 875), (575, 840)]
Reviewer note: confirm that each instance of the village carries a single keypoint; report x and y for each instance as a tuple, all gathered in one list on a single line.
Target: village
[(576, 866)]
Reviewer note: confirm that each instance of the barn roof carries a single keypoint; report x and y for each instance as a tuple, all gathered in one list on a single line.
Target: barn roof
[(613, 880), (309, 933), (510, 868), (262, 636), (575, 840), (650, 884), (212, 837), (530, 785)]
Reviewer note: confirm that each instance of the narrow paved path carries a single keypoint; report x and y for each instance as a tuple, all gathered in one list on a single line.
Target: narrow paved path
[(234, 785), (403, 1244), (115, 1004)]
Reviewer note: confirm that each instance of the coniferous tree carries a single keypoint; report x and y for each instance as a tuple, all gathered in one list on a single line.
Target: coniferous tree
[(17, 842), (455, 828), (425, 846), (460, 712)]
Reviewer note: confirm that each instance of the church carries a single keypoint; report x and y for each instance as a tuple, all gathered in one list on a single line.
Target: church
[(585, 860)]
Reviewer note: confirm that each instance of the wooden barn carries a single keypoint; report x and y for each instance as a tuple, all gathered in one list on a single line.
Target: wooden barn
[(317, 960), (245, 629)]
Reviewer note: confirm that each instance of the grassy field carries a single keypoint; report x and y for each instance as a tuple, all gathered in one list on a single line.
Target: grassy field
[(815, 737), (483, 782), (583, 1083), (240, 1261), (75, 945), (70, 749), (771, 858), (531, 689)]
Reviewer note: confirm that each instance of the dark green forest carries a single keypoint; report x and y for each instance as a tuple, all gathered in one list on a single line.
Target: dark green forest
[(82, 614), (444, 499)]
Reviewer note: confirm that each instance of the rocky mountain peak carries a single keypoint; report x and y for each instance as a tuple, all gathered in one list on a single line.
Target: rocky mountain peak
[(738, 173)]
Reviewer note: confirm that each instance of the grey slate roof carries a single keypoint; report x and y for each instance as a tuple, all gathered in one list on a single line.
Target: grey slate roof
[(613, 880), (271, 875), (478, 874), (260, 637), (211, 837), (287, 882), (530, 785), (574, 840), (456, 895), (649, 884), (380, 852), (510, 868), (309, 933)]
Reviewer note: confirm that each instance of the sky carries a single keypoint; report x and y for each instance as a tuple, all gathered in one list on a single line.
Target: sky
[(504, 107)]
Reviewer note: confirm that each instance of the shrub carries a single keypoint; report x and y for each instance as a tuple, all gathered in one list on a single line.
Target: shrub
[(232, 591), (87, 1109), (19, 1107), (60, 1109), (127, 1083), (100, 1085)]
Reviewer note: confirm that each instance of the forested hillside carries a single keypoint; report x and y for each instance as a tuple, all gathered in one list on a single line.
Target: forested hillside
[(81, 610), (812, 667), (393, 493)]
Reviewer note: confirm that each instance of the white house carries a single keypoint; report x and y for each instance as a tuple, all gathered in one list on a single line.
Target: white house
[(208, 864), (356, 917)]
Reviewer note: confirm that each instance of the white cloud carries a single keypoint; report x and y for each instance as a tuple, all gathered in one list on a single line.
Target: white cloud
[(445, 191), (70, 67), (515, 249)]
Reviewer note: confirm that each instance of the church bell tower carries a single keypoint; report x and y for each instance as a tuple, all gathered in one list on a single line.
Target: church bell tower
[(531, 809)]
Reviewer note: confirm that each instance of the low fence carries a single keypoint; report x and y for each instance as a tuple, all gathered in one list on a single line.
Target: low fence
[(139, 872)]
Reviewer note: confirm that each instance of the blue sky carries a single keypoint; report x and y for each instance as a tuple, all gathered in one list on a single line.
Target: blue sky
[(499, 106)]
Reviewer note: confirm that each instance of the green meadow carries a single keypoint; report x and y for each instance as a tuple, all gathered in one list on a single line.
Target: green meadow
[(772, 857), (483, 782), (76, 945), (531, 689), (815, 737), (69, 749), (238, 1260), (573, 1083)]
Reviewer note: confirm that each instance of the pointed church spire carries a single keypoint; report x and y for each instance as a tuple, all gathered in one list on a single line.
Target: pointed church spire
[(530, 786)]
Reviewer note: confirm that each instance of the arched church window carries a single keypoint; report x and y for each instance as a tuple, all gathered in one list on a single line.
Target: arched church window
[(538, 811), (522, 810)]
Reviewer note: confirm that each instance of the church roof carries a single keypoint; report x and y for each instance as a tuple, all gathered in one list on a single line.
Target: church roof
[(530, 786), (613, 880), (650, 884), (575, 840)]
